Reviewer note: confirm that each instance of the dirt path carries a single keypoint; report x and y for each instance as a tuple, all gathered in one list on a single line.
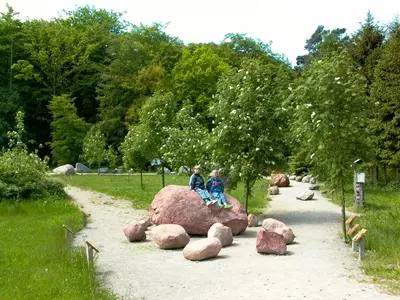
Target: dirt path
[(317, 267)]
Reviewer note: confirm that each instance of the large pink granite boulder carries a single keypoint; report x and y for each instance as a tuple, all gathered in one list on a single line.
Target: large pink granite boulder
[(170, 236), (270, 242), (202, 249), (179, 205), (273, 225)]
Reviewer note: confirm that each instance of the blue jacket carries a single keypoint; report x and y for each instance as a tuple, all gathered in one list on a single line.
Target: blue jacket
[(215, 185), (196, 181)]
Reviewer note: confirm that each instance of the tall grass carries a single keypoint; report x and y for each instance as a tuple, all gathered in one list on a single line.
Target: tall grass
[(381, 217), (129, 187), (35, 262)]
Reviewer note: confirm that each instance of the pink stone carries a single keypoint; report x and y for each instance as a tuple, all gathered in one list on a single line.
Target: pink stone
[(170, 236), (202, 249), (221, 232), (279, 180), (135, 231), (251, 220), (270, 242), (273, 225)]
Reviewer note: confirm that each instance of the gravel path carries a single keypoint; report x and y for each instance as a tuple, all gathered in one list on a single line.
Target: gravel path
[(318, 266)]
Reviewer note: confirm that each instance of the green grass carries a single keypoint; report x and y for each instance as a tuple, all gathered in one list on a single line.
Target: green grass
[(381, 217), (128, 187), (35, 262)]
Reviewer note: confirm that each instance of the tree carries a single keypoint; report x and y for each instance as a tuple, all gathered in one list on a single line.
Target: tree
[(385, 95), (249, 137), (156, 115), (186, 142), (94, 147), (330, 111), (132, 149), (69, 130)]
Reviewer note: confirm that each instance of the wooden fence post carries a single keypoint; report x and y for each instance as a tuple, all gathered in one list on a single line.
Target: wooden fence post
[(84, 219), (69, 235), (89, 252), (359, 240)]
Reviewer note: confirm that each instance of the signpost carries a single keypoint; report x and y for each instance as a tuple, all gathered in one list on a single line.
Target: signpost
[(359, 181)]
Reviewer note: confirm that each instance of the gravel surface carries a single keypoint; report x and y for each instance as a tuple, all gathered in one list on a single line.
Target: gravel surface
[(317, 266)]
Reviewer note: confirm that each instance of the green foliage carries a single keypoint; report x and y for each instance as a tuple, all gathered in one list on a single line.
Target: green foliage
[(43, 266), (94, 147), (133, 149), (385, 95), (249, 137), (186, 143), (68, 130), (330, 110), (23, 174)]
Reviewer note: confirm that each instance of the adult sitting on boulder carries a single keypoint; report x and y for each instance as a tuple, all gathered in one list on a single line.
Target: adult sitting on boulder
[(196, 183)]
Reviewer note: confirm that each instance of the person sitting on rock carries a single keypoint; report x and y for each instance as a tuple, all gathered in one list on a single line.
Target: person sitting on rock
[(215, 187), (196, 183)]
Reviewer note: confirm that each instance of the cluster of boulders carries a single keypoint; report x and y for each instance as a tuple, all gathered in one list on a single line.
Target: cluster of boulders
[(176, 213)]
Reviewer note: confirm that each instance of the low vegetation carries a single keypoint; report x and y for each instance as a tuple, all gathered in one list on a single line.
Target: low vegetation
[(128, 187), (380, 216), (35, 262)]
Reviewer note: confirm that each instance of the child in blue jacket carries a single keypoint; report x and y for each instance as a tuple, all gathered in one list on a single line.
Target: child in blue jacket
[(215, 187), (196, 183)]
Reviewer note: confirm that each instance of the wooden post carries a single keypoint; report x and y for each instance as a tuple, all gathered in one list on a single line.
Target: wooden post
[(89, 252), (84, 219), (333, 194), (359, 242), (69, 235), (361, 249), (353, 230)]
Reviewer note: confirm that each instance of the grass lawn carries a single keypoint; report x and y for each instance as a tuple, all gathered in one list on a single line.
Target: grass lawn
[(35, 262), (128, 187), (381, 217)]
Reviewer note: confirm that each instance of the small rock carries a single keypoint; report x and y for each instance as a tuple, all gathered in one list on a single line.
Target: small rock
[(306, 195), (135, 231), (270, 242), (252, 220), (293, 177), (273, 190), (146, 222), (314, 188), (313, 180), (221, 232), (273, 225), (102, 170), (306, 179), (170, 236), (299, 178), (202, 249), (184, 170)]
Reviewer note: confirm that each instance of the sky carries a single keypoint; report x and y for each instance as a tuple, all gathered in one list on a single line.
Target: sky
[(287, 23)]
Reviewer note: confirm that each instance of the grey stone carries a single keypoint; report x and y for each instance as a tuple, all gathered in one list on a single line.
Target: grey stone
[(274, 190), (306, 179), (293, 177), (102, 170), (313, 180), (299, 178), (166, 171), (184, 170), (81, 168), (306, 195), (314, 188), (65, 169)]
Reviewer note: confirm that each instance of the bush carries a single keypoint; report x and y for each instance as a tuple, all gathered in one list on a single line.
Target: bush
[(23, 174)]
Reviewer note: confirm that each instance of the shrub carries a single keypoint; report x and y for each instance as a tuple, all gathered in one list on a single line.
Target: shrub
[(23, 174)]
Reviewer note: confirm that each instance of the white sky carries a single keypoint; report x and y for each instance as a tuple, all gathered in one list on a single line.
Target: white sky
[(287, 23)]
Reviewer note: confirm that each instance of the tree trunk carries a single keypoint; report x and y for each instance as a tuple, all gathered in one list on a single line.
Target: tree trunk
[(384, 174), (163, 176), (376, 173), (246, 194), (141, 178), (343, 200)]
